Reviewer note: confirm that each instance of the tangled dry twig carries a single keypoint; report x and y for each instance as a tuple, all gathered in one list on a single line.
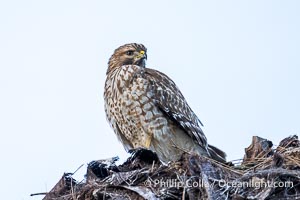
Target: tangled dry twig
[(264, 173)]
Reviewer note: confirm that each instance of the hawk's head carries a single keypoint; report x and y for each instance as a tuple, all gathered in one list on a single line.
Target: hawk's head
[(128, 54)]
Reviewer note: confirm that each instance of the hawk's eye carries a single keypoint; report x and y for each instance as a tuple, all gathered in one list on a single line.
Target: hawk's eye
[(129, 53)]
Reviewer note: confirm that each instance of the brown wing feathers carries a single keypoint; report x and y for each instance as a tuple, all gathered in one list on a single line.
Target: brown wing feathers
[(171, 101)]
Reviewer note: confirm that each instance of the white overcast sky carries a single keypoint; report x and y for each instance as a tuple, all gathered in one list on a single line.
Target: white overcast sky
[(236, 62)]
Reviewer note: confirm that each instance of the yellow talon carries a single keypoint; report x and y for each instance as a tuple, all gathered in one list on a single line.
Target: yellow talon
[(148, 142)]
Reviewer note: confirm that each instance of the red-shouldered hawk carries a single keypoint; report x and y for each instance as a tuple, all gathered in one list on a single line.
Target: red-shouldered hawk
[(147, 110)]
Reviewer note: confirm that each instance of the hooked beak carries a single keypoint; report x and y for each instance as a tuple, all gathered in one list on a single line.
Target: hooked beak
[(141, 59), (142, 55)]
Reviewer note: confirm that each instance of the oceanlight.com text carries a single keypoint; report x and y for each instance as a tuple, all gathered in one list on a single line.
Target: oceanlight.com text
[(192, 183)]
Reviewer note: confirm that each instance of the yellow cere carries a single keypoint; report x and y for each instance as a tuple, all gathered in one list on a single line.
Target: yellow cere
[(141, 54)]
